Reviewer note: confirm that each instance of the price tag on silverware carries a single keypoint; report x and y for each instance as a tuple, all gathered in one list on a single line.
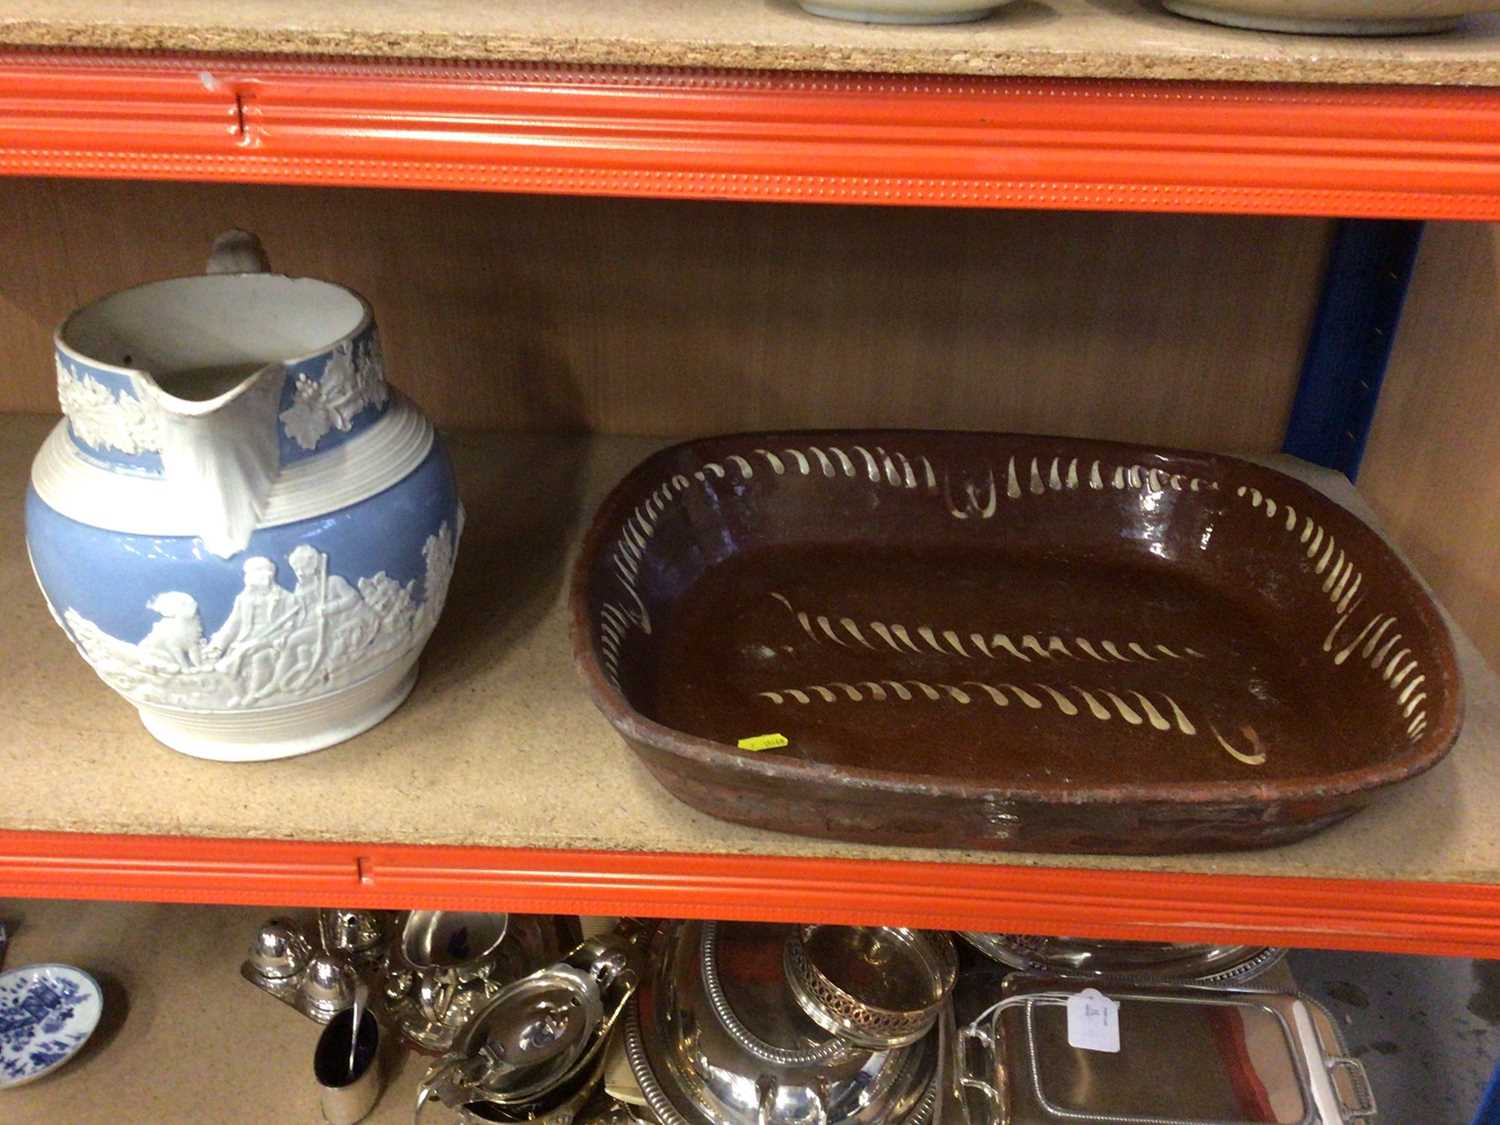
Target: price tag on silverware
[(1094, 1022)]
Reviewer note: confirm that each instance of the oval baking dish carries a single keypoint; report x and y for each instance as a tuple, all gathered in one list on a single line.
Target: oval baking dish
[(1008, 642)]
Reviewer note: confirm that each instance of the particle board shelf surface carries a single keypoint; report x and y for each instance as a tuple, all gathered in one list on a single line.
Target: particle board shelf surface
[(182, 1038), (1060, 38), (499, 748)]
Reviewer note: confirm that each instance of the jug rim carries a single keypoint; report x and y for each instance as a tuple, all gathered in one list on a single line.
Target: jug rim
[(72, 351)]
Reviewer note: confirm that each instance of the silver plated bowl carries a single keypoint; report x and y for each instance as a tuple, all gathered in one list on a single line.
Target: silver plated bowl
[(452, 939), (875, 986)]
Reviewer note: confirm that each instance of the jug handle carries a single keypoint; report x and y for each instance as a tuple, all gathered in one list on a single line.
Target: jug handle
[(237, 251)]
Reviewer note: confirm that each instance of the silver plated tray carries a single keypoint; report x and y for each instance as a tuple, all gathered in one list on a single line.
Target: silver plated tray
[(1140, 962), (1234, 1057)]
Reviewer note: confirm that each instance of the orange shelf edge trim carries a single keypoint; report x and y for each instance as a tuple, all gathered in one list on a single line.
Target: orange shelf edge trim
[(1438, 918), (1422, 152)]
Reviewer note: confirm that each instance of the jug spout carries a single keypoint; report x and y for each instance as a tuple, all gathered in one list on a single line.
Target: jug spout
[(220, 449), (218, 382)]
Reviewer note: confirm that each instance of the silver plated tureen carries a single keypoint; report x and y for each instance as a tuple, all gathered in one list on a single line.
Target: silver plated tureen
[(717, 1036)]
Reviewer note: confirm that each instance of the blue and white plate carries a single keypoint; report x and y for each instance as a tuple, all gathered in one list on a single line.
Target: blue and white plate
[(47, 1013)]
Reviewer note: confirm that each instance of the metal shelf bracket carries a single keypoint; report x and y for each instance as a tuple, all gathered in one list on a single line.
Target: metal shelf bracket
[(1369, 269)]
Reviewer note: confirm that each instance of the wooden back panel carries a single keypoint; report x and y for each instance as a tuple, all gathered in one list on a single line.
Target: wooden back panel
[(630, 316), (1432, 468)]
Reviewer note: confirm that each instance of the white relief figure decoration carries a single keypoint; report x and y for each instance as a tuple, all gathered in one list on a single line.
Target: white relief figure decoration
[(385, 597), (103, 418), (246, 647), (278, 645), (175, 636), (334, 624), (353, 380)]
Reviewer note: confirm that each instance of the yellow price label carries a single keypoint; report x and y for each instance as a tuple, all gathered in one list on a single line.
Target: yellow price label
[(763, 742)]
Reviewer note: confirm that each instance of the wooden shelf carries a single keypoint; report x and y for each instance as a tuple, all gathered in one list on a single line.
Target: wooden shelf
[(1267, 143), (1126, 39), (498, 785)]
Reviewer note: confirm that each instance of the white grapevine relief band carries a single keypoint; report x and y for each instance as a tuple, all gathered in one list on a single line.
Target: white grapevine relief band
[(105, 419), (353, 380), (277, 646)]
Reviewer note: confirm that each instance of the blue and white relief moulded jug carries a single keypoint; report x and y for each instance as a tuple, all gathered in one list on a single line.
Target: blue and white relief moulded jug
[(244, 530)]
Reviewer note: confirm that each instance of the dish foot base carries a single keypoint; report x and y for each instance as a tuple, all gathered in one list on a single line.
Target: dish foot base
[(958, 13)]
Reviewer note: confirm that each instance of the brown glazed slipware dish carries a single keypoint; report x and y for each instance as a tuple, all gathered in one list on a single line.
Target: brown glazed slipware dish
[(1007, 642)]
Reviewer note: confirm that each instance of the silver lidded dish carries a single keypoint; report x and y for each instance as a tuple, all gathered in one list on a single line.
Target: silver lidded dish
[(1143, 962), (531, 1037), (716, 1037), (538, 1046), (445, 965)]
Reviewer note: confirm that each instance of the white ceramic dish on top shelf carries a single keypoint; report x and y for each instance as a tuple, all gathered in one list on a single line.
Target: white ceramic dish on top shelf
[(1334, 17), (903, 11)]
